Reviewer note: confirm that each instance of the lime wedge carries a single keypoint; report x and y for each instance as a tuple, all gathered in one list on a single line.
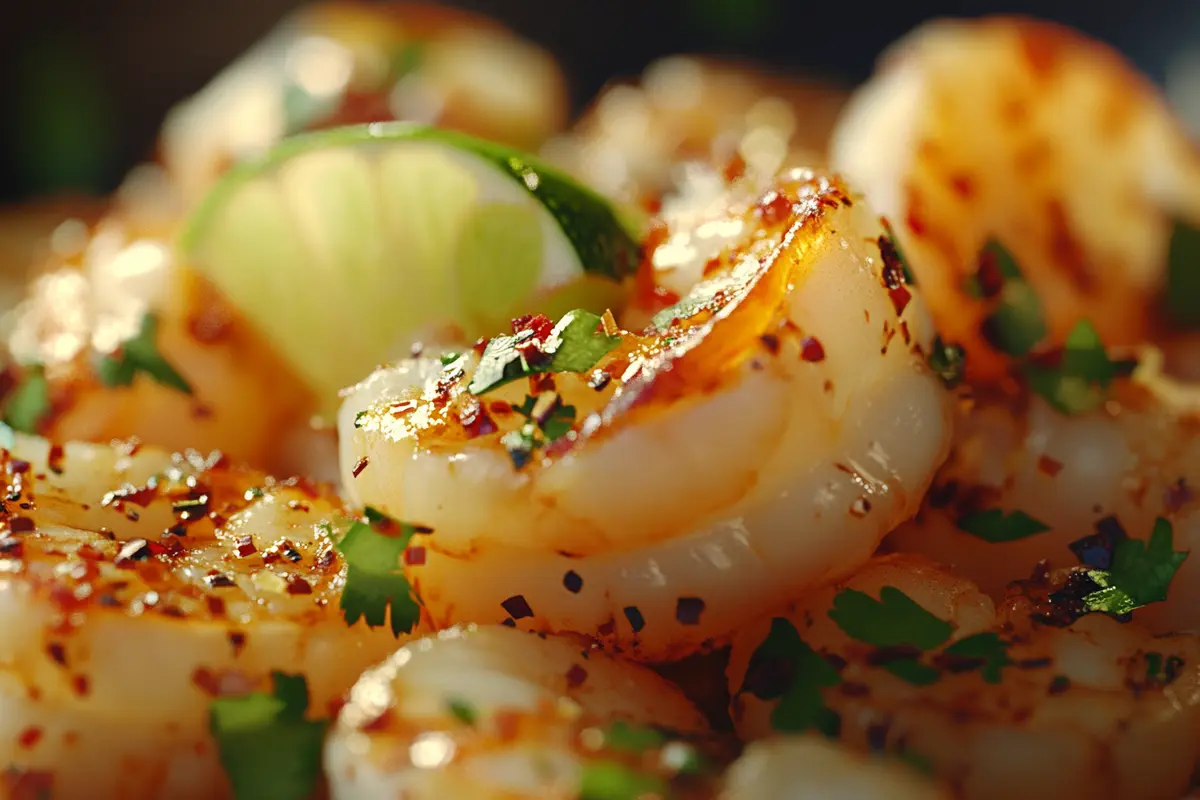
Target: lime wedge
[(344, 245)]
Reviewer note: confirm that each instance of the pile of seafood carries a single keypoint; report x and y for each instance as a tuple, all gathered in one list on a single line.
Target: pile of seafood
[(779, 442)]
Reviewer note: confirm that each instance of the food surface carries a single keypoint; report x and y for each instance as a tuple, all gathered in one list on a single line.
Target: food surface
[(743, 441)]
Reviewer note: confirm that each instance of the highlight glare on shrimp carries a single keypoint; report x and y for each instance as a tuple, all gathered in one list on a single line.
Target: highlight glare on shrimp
[(776, 423), (1027, 133), (135, 587), (492, 712), (998, 703)]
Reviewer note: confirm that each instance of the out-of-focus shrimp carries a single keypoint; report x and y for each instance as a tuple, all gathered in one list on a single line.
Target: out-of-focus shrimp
[(343, 63), (633, 138), (774, 426), (1049, 480), (492, 712), (116, 338), (134, 588), (906, 656), (801, 767), (1030, 134)]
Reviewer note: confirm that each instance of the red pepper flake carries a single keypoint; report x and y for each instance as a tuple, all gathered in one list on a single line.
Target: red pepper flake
[(57, 652), (774, 208), (962, 185), (297, 505), (54, 459), (507, 725), (1049, 466), (237, 640), (1177, 495), (216, 606), (29, 737), (900, 297), (771, 342), (402, 407), (19, 467), (244, 546), (324, 559), (988, 275), (81, 685), (297, 585), (21, 524), (414, 556), (811, 350), (517, 607), (688, 610), (636, 620), (500, 408), (735, 168), (531, 332), (476, 421), (576, 675), (140, 496), (573, 582), (207, 681)]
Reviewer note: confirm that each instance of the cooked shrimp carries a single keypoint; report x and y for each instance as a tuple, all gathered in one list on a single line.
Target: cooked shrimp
[(99, 291), (1119, 467), (764, 438), (795, 768), (633, 138), (1032, 135), (134, 588), (485, 712), (1099, 709)]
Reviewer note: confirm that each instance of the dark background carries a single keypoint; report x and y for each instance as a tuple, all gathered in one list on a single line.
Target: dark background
[(86, 82)]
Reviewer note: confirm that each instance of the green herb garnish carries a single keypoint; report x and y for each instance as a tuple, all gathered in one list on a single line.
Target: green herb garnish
[(140, 354), (375, 577), (575, 344), (895, 619), (988, 649), (801, 704), (29, 402), (629, 738), (268, 748), (949, 361), (1182, 295), (463, 711), (1084, 372), (612, 780), (889, 248), (1140, 574), (540, 429), (1017, 323), (993, 525), (1162, 670)]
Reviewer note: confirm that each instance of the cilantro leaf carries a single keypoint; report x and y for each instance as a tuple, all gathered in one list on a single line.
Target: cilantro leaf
[(1078, 382), (1182, 295), (552, 422), (612, 780), (986, 652), (629, 738), (889, 248), (375, 578), (1141, 573), (895, 619), (269, 750), (913, 671), (29, 403), (1162, 670), (801, 704), (140, 354), (993, 525), (463, 711), (1017, 322), (574, 345), (949, 361)]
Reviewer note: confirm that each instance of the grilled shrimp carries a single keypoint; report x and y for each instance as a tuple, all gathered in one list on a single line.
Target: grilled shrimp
[(134, 588), (486, 712), (763, 437), (1115, 469), (1013, 707), (1029, 134), (799, 767), (199, 376)]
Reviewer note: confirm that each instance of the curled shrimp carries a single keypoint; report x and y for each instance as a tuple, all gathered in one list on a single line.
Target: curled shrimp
[(1097, 709), (1030, 134), (489, 711), (135, 587), (762, 438), (212, 383), (1113, 470)]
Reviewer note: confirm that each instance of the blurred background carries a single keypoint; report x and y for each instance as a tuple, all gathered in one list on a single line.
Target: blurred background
[(87, 82)]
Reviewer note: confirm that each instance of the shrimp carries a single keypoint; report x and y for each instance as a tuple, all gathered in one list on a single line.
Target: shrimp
[(215, 383), (1012, 707), (334, 64), (633, 138), (489, 711), (762, 438), (797, 767), (1031, 135), (135, 587), (1117, 468)]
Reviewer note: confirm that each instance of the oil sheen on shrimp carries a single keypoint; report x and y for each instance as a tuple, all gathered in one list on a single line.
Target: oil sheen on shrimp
[(96, 293), (1083, 711), (493, 712), (1031, 134), (780, 421), (1119, 467), (135, 587)]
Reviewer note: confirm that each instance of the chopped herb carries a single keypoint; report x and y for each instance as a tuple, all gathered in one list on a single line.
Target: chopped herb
[(911, 670), (801, 704), (1162, 670), (463, 711), (986, 652), (1084, 371), (543, 426), (895, 619), (949, 361), (268, 748), (612, 780), (632, 738), (140, 354), (889, 247), (405, 59), (1017, 323), (375, 578), (1182, 295), (29, 402), (1141, 573), (575, 344), (358, 419), (917, 761), (449, 358), (993, 525)]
